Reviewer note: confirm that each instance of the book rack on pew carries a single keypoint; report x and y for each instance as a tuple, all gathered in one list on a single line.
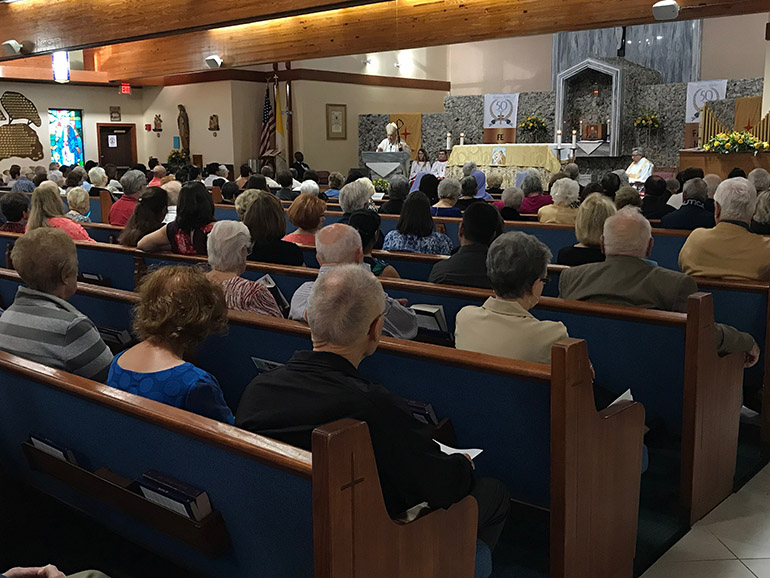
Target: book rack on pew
[(208, 536)]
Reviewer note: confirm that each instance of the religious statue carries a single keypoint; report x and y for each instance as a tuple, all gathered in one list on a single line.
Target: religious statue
[(157, 125), (214, 122), (183, 122)]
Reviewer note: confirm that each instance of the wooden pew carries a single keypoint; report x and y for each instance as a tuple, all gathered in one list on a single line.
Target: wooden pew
[(277, 508), (537, 424)]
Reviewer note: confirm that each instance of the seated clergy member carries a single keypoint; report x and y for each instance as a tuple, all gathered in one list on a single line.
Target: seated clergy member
[(133, 183), (640, 168), (693, 213), (47, 210), (729, 250), (564, 193), (628, 278), (40, 325), (517, 266), (592, 214), (439, 167), (228, 245), (481, 225), (178, 308), (345, 314), (340, 244)]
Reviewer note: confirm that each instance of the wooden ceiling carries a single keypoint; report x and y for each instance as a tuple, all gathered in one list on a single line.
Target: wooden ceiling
[(376, 27), (73, 24)]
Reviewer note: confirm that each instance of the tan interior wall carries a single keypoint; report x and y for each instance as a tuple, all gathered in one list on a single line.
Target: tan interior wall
[(733, 47), (311, 98)]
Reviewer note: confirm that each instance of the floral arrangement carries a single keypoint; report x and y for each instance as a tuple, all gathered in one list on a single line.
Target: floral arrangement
[(534, 126), (735, 142), (648, 120), (177, 157), (381, 185)]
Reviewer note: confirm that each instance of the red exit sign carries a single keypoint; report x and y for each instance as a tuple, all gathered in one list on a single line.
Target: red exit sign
[(125, 88)]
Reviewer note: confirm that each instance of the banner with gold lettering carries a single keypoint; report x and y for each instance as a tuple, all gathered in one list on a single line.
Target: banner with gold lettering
[(410, 128)]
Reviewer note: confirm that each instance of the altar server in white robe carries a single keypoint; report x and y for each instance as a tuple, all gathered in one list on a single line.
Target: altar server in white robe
[(439, 167), (393, 143), (640, 169)]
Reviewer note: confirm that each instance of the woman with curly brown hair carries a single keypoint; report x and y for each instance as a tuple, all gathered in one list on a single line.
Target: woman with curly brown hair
[(178, 308)]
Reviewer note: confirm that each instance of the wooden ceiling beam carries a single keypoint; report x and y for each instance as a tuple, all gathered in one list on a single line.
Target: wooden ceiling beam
[(394, 25), (53, 25)]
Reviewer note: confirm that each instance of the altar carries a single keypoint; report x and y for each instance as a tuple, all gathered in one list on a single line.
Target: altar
[(507, 159)]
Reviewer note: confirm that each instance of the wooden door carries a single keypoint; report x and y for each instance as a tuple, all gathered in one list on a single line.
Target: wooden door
[(117, 145)]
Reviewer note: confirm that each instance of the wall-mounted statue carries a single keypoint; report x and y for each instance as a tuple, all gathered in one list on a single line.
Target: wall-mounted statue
[(157, 125), (214, 123), (183, 122), (19, 139)]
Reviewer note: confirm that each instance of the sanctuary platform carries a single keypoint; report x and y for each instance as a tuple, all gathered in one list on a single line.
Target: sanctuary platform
[(722, 164)]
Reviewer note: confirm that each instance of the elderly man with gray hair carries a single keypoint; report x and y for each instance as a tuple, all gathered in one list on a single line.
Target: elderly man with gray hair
[(640, 168), (628, 278), (729, 250), (468, 168), (517, 268), (760, 178), (346, 312), (133, 183), (693, 213), (340, 244)]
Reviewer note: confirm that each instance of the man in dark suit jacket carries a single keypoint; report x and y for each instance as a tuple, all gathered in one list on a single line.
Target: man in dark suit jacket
[(693, 214), (626, 277), (481, 225), (345, 314)]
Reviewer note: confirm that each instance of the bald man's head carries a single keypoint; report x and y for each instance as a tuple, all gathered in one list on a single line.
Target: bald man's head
[(627, 232), (338, 244)]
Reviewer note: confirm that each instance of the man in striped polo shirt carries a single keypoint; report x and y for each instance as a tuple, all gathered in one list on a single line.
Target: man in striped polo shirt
[(40, 325)]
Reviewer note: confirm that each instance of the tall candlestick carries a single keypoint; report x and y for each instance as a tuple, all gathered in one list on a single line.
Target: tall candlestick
[(608, 127), (462, 138), (448, 140), (558, 139), (574, 139)]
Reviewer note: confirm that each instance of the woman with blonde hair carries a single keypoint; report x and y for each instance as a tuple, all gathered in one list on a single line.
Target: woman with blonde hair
[(307, 214), (589, 227), (47, 210), (178, 308), (80, 206), (244, 200)]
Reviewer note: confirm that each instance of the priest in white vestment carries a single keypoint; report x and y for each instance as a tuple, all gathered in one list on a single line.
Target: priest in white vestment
[(393, 142), (640, 169)]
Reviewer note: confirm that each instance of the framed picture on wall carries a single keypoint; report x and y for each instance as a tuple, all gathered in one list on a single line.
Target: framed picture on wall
[(336, 121)]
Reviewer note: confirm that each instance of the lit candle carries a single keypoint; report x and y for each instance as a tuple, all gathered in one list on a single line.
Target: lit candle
[(558, 139), (581, 129), (574, 139), (462, 138), (448, 140), (608, 126)]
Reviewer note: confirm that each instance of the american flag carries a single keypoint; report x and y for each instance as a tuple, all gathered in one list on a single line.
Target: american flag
[(268, 124)]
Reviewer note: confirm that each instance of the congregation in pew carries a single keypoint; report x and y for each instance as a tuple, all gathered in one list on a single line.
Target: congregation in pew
[(514, 264)]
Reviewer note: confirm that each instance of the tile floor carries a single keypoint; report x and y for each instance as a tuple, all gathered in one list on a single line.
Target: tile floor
[(733, 541)]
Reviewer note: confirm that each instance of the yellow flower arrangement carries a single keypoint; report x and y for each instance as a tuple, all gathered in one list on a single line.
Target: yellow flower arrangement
[(648, 120), (534, 126), (735, 142)]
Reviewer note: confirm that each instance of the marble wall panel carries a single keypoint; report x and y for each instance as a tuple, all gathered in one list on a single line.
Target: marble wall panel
[(672, 48), (370, 132)]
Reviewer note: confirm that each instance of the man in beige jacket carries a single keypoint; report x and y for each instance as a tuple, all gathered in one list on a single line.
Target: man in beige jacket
[(729, 250)]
